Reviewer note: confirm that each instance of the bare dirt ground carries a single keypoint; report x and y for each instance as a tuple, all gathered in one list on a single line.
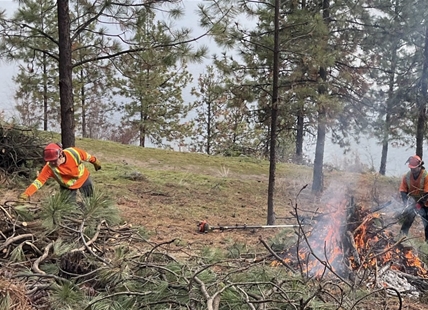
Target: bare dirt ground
[(169, 214)]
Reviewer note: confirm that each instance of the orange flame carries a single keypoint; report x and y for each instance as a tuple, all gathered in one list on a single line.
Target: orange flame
[(373, 248)]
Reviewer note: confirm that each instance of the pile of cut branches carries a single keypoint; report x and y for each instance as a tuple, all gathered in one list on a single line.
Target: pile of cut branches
[(58, 244), (20, 151)]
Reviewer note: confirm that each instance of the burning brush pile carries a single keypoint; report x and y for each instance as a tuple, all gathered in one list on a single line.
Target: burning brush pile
[(357, 245)]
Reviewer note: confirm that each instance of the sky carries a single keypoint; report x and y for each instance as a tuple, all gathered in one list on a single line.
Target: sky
[(368, 151), (7, 71)]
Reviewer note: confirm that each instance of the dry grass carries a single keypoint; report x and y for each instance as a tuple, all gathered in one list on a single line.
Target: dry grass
[(12, 296)]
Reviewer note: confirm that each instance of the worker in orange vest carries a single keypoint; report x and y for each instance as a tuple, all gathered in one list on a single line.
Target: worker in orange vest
[(414, 193), (67, 167)]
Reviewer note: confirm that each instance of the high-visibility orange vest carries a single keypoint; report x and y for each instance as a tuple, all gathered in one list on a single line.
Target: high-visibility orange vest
[(415, 188), (71, 174)]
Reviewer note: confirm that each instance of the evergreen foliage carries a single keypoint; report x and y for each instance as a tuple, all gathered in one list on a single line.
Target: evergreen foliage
[(152, 81), (223, 123), (54, 212), (396, 70), (37, 78), (92, 81)]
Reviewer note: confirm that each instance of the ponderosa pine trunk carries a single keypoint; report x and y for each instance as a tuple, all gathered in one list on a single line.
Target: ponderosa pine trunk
[(65, 75)]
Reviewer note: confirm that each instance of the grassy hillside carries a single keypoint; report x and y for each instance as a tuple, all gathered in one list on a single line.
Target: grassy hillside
[(169, 193)]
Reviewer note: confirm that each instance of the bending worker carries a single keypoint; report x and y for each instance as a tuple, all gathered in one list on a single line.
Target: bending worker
[(67, 168), (414, 193)]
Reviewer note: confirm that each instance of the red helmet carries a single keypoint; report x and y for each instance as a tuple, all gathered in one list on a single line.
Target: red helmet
[(51, 152), (414, 161)]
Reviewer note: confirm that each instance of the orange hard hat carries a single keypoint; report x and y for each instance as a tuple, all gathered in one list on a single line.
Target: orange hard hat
[(51, 152), (414, 161)]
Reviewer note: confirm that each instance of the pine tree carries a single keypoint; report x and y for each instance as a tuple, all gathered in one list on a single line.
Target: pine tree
[(395, 72), (223, 122), (92, 82), (320, 80), (152, 81), (37, 81)]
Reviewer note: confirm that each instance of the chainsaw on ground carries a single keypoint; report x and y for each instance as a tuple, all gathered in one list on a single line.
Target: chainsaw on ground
[(204, 227)]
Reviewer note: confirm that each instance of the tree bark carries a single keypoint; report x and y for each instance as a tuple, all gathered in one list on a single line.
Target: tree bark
[(45, 94), (209, 133), (389, 105), (83, 106), (317, 182), (384, 154), (274, 119), (422, 101), (390, 100), (65, 75), (299, 137)]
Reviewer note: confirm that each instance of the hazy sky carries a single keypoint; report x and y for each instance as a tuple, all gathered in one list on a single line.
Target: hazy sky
[(7, 70), (368, 151)]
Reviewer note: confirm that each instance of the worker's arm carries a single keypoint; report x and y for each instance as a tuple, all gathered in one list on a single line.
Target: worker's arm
[(421, 203), (404, 191), (404, 197), (85, 156), (424, 199), (44, 175)]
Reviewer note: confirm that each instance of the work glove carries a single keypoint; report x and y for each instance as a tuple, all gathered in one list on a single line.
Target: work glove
[(97, 165), (23, 197)]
